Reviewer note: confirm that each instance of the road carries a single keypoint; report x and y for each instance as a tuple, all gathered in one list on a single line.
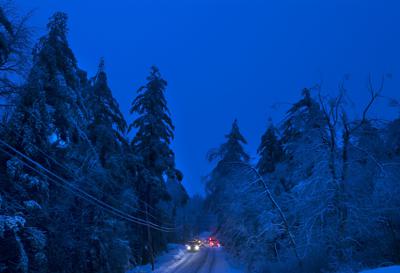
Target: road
[(207, 260)]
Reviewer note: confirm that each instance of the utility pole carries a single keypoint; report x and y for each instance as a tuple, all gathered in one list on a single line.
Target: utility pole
[(149, 239)]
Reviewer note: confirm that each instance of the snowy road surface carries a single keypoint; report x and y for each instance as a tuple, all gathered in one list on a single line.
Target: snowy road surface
[(207, 260), (178, 260)]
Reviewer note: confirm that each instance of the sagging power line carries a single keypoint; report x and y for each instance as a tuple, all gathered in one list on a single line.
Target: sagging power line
[(69, 170), (59, 181)]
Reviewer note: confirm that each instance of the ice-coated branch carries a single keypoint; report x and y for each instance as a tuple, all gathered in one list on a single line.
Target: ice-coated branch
[(273, 201)]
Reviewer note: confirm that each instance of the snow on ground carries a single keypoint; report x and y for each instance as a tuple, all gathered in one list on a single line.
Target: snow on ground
[(389, 269), (222, 265), (178, 260), (208, 260), (174, 255)]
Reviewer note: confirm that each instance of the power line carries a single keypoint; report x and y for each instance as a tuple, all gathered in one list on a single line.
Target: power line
[(94, 152), (94, 200), (81, 193), (109, 196)]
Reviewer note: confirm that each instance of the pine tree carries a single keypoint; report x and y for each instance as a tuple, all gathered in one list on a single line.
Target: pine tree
[(47, 115), (107, 123), (303, 118), (232, 150), (49, 109), (234, 197), (270, 151), (154, 133), (50, 121), (228, 153), (306, 174), (154, 125), (303, 130)]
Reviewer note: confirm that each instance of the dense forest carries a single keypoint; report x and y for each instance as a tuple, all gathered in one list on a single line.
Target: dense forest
[(323, 194), (82, 190), (77, 194)]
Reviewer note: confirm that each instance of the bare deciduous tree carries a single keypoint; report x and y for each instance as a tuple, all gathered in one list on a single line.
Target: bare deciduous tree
[(15, 40)]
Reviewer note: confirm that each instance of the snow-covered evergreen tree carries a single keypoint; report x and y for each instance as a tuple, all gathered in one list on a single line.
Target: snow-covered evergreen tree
[(107, 123), (306, 172), (154, 126), (229, 152), (270, 151), (50, 124), (245, 216), (34, 126), (51, 100), (219, 183), (232, 150), (304, 141), (154, 133)]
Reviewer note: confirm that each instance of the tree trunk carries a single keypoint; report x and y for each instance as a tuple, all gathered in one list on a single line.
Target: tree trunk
[(149, 240), (341, 196)]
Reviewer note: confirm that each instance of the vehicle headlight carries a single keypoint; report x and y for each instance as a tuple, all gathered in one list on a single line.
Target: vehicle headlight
[(188, 247), (196, 247)]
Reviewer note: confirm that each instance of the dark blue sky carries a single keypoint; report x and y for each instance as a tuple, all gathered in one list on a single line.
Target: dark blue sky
[(226, 59)]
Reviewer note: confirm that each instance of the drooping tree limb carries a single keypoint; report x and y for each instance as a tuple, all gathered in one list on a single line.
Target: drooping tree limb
[(273, 201)]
